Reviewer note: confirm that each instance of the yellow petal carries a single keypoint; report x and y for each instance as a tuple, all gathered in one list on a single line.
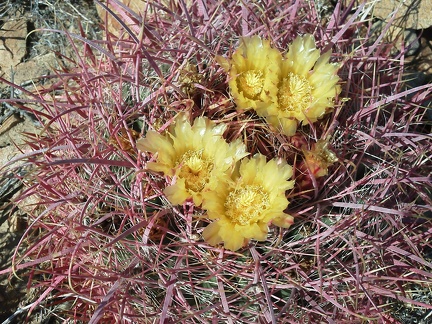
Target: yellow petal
[(232, 239), (155, 142), (284, 221), (160, 167), (301, 56), (177, 193), (253, 231), (224, 62), (214, 200), (211, 234)]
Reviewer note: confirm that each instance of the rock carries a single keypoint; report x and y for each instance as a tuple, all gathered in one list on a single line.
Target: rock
[(113, 25), (30, 70), (396, 36), (411, 41), (13, 50), (412, 14), (137, 6), (13, 45)]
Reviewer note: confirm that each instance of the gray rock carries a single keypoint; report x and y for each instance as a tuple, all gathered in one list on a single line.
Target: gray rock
[(412, 14)]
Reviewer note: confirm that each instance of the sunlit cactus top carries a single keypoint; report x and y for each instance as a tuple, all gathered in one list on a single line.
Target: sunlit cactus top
[(253, 73), (244, 206), (307, 87), (193, 156)]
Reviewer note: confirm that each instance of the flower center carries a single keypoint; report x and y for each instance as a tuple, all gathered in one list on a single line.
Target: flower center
[(246, 205), (295, 93), (251, 83), (195, 169)]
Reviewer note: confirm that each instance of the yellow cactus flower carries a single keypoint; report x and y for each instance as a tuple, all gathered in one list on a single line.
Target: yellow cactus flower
[(243, 207), (307, 87), (193, 156), (253, 73)]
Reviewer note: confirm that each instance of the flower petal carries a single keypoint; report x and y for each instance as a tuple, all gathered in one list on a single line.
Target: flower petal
[(177, 193), (211, 234), (284, 221)]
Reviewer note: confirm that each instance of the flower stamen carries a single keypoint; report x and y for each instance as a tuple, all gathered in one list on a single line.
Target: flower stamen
[(295, 93), (251, 83), (247, 204), (195, 169)]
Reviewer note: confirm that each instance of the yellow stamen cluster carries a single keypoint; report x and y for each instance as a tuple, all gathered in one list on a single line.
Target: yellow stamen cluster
[(246, 204), (195, 169), (252, 83), (295, 92)]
